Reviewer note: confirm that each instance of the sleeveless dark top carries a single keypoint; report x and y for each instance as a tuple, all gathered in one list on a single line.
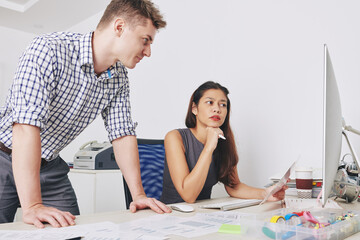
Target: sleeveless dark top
[(193, 149)]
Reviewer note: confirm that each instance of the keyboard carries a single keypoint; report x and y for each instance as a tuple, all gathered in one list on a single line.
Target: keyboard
[(233, 204)]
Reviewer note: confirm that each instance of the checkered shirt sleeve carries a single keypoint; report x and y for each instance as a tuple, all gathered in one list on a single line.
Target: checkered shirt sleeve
[(117, 115), (30, 90)]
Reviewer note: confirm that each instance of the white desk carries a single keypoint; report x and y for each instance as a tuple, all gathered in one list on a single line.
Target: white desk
[(123, 216)]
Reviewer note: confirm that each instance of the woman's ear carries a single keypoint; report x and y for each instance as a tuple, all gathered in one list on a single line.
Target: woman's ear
[(194, 109)]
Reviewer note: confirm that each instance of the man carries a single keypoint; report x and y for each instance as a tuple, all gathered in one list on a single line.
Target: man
[(63, 81)]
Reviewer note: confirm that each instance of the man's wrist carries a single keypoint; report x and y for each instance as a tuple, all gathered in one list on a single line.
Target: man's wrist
[(139, 196), (31, 206)]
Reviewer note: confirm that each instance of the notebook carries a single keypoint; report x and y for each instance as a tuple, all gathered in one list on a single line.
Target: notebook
[(233, 204)]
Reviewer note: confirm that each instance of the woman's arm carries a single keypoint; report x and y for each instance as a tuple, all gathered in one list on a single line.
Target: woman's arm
[(241, 190), (188, 184)]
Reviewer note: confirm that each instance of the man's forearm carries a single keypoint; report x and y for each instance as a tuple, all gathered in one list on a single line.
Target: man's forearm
[(26, 159), (127, 157)]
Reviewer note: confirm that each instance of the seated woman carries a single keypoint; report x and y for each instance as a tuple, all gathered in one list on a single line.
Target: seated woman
[(198, 157)]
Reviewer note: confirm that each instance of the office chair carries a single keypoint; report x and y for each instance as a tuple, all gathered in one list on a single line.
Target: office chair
[(152, 156)]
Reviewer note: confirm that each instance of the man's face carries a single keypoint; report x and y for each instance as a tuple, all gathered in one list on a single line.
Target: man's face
[(134, 43)]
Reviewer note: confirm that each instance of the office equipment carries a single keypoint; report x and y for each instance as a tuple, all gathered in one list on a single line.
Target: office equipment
[(233, 204), (182, 208), (230, 228), (334, 128), (151, 156), (98, 190), (93, 155), (222, 137)]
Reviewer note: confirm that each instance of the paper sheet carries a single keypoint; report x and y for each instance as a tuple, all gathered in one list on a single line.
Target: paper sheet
[(156, 227), (25, 235), (96, 231), (281, 183), (193, 226)]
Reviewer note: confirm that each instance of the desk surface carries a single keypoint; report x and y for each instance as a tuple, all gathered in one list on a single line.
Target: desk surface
[(124, 216)]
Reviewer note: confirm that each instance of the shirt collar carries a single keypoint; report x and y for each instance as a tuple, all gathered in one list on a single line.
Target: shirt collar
[(86, 49), (86, 58)]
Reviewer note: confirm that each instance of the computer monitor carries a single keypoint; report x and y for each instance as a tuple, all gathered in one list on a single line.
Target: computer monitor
[(332, 132)]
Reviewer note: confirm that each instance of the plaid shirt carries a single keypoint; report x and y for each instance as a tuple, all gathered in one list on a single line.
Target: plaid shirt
[(56, 89)]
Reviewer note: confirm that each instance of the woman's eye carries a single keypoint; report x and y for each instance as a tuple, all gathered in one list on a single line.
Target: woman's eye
[(209, 102), (146, 40), (223, 105)]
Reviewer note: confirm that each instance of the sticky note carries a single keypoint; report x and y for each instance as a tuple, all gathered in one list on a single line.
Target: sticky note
[(230, 228)]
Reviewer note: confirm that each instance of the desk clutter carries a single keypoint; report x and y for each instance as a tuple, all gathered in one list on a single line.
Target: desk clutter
[(314, 224), (279, 224), (292, 191)]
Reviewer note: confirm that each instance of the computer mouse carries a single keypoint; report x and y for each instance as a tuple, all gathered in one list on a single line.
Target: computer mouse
[(182, 208)]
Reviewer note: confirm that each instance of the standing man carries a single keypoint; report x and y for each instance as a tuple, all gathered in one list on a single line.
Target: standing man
[(62, 83)]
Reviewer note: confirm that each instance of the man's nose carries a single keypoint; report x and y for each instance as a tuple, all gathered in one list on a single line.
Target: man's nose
[(147, 51)]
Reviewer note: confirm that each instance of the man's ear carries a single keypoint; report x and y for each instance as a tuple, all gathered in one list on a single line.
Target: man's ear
[(119, 26), (194, 109)]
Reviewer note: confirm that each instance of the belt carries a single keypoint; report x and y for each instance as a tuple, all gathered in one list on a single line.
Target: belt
[(5, 149), (8, 151)]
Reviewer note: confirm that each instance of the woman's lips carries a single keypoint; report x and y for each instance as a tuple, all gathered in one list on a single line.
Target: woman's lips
[(215, 118)]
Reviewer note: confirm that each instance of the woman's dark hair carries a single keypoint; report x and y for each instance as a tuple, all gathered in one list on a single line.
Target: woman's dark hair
[(225, 152)]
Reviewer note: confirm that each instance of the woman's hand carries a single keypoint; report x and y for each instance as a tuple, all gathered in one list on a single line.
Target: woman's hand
[(279, 195), (212, 136)]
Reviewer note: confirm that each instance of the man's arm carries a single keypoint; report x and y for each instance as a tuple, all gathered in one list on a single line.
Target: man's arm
[(127, 157), (26, 161)]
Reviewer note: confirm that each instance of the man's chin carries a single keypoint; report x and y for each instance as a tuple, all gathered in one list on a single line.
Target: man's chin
[(132, 66)]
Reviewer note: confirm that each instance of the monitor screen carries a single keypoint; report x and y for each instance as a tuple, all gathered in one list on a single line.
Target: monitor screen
[(332, 132)]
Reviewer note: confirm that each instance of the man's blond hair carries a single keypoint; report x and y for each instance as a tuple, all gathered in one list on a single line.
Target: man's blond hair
[(134, 12)]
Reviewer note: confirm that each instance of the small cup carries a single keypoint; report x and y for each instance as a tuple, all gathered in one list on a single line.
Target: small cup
[(304, 182)]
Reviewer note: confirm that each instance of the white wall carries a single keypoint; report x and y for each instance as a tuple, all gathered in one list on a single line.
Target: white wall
[(12, 44), (270, 56)]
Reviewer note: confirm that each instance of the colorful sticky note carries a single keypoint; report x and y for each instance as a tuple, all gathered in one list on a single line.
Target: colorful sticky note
[(230, 228)]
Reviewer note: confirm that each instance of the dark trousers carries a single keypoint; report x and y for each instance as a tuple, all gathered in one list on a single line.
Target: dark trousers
[(56, 189)]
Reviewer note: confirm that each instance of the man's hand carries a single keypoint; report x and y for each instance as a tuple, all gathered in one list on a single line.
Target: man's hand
[(127, 157), (145, 202), (39, 214)]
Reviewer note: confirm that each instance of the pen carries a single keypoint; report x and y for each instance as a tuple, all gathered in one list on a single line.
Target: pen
[(74, 238), (222, 137)]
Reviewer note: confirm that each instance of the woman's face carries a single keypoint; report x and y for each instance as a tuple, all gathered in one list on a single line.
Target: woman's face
[(211, 110)]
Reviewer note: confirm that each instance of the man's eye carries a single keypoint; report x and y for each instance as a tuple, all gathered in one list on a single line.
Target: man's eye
[(209, 102), (146, 40), (223, 105)]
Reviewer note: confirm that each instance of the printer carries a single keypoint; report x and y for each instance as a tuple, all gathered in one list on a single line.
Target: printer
[(95, 156)]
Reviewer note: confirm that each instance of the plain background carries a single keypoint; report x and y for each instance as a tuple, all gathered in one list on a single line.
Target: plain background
[(269, 54)]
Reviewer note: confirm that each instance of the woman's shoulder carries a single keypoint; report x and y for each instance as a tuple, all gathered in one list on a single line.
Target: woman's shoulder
[(173, 139), (173, 134), (180, 132)]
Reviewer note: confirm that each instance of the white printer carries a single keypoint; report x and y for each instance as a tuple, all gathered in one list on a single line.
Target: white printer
[(93, 155)]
